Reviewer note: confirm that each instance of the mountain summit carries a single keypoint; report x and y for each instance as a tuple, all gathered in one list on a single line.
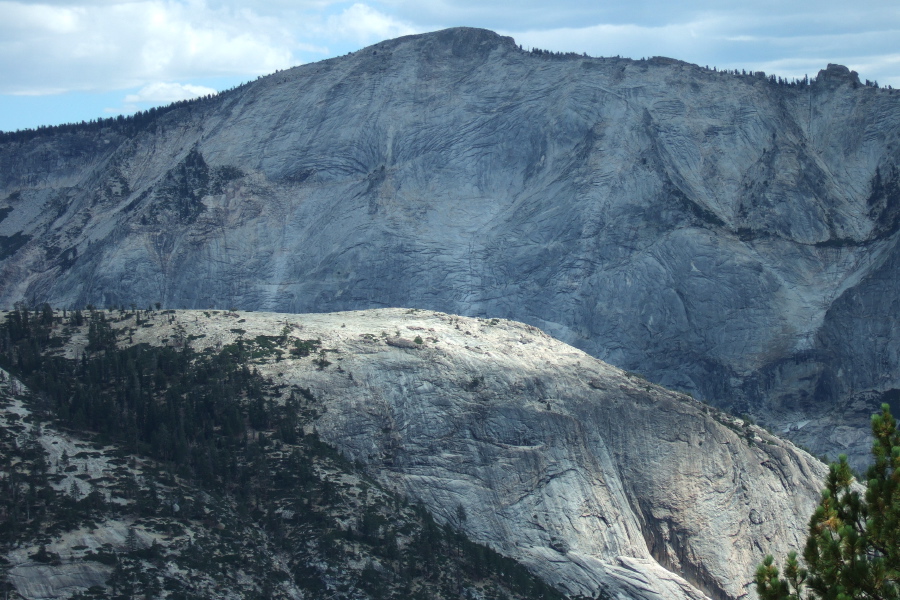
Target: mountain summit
[(725, 234)]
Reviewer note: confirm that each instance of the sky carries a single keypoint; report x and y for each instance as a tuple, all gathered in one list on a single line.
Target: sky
[(66, 61)]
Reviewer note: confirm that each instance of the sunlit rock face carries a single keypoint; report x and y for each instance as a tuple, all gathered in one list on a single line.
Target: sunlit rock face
[(597, 480), (722, 234), (600, 482)]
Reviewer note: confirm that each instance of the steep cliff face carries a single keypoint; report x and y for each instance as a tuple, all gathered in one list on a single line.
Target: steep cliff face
[(597, 480), (602, 483), (721, 234)]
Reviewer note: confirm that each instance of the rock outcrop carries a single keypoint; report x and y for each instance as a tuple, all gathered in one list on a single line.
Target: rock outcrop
[(596, 479), (274, 512), (722, 234)]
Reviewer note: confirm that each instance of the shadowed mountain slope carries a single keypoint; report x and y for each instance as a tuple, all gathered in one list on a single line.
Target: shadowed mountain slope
[(722, 234)]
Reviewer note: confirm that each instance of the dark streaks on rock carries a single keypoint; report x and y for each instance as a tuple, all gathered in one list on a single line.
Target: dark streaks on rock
[(712, 231)]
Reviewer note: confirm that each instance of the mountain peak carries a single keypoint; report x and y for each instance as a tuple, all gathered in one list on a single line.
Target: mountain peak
[(463, 41), (450, 170), (834, 73)]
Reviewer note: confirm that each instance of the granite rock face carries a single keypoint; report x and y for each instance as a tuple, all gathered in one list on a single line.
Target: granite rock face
[(721, 234), (596, 479), (599, 481)]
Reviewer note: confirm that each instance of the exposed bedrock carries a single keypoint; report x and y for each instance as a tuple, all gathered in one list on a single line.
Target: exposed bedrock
[(723, 234)]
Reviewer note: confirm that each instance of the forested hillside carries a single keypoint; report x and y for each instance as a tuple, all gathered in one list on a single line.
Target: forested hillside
[(371, 454), (162, 471)]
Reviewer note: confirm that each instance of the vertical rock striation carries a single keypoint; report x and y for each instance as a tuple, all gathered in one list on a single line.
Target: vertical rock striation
[(600, 482), (596, 479), (722, 234)]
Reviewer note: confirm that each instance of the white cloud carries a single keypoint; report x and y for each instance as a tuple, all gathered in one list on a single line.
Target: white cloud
[(46, 49), (365, 25), (26, 17), (633, 41), (101, 45), (161, 92), (55, 46), (885, 63), (790, 45), (531, 15), (880, 68)]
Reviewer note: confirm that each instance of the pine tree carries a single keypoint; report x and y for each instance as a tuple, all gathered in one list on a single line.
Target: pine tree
[(853, 548), (131, 541)]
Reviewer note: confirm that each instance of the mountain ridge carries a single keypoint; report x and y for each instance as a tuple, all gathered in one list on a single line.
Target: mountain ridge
[(725, 235), (600, 482)]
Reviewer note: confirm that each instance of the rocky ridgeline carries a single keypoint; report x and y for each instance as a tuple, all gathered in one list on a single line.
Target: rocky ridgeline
[(725, 235), (595, 479)]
